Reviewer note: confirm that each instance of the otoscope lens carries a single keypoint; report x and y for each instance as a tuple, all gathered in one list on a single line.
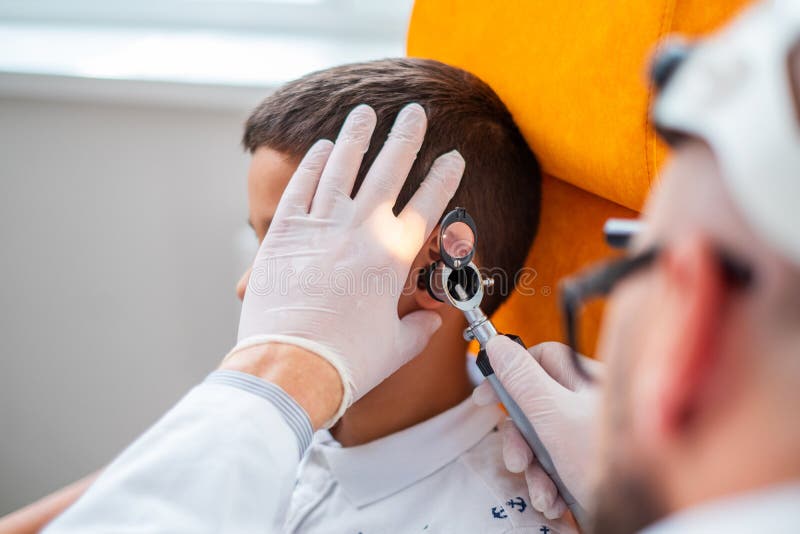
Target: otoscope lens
[(458, 240)]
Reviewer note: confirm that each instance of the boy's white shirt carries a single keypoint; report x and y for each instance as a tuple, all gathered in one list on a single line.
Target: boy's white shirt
[(445, 474)]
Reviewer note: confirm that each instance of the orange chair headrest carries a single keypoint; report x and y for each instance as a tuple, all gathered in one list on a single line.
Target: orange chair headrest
[(573, 75)]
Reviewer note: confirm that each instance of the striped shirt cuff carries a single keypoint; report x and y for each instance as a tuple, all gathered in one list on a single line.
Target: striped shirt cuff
[(294, 415)]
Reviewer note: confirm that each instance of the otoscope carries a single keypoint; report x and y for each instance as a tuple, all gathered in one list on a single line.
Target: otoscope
[(455, 280)]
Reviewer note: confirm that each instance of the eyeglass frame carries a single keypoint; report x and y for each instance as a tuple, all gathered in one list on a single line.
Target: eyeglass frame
[(600, 280)]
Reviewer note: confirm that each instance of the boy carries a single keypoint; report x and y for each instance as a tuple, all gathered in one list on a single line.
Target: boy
[(414, 454)]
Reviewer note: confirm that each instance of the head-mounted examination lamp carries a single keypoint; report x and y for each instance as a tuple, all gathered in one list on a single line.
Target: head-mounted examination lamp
[(737, 91)]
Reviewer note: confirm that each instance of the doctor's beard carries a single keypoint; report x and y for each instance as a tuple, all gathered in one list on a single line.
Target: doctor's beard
[(626, 495)]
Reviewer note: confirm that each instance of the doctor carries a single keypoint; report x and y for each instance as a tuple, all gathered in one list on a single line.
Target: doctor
[(697, 429), (224, 459)]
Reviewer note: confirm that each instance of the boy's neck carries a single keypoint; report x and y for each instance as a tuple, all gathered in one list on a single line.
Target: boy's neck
[(432, 383)]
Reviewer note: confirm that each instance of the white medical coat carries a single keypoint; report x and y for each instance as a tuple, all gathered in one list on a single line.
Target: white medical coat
[(224, 459), (773, 510)]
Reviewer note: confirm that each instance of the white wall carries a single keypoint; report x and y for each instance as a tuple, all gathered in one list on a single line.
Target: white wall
[(121, 239)]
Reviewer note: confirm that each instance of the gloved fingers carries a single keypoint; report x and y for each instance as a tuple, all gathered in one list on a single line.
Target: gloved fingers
[(416, 330), (519, 373), (555, 358), (516, 453), (519, 458), (425, 208), (484, 394), (543, 492), (297, 197), (595, 368), (392, 165), (336, 183)]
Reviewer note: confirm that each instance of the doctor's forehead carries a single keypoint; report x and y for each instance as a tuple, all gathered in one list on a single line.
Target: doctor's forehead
[(679, 201)]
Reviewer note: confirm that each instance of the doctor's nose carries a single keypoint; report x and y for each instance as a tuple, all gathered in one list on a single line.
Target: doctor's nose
[(241, 285)]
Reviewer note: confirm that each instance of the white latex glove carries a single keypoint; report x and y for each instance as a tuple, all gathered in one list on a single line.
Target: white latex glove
[(330, 270), (562, 408)]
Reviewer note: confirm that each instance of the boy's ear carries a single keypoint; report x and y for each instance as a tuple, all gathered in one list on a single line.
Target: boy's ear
[(427, 255)]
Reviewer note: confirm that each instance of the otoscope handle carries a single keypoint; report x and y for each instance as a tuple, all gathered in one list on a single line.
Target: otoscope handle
[(525, 428)]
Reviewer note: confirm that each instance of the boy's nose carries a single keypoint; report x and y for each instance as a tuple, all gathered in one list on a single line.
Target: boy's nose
[(241, 285)]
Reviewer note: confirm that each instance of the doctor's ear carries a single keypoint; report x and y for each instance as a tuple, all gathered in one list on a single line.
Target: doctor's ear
[(794, 77), (685, 362), (429, 253)]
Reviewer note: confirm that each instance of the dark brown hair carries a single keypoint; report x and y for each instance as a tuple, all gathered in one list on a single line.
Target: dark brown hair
[(501, 187)]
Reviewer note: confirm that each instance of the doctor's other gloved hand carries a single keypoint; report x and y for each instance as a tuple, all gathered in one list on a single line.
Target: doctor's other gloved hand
[(328, 276), (562, 407)]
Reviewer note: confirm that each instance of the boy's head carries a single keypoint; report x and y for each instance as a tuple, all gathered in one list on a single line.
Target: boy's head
[(501, 183)]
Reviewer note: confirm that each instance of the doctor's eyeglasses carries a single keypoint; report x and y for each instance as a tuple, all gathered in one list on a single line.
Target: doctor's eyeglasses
[(600, 281)]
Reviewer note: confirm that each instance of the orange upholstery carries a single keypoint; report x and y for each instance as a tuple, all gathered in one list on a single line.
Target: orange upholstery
[(573, 75)]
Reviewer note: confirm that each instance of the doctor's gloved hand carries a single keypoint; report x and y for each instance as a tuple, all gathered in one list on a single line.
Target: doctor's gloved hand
[(560, 404), (329, 273)]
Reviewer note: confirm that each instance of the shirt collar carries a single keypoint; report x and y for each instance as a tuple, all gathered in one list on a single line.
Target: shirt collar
[(373, 471), (772, 509)]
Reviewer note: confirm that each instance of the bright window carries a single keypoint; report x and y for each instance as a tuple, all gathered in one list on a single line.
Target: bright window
[(229, 42)]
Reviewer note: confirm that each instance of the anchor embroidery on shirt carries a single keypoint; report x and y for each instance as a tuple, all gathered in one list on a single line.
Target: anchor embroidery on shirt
[(518, 504), (544, 529), (498, 512)]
